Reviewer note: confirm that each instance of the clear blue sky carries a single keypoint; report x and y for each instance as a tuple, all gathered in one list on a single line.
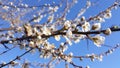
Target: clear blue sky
[(110, 61)]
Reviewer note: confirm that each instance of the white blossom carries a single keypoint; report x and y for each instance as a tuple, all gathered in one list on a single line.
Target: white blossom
[(5, 7), (28, 29), (77, 40), (50, 8), (82, 19), (115, 7), (14, 63), (46, 30), (67, 24), (108, 15), (108, 31), (86, 27), (22, 4), (3, 62), (110, 51), (10, 42), (87, 66), (100, 19), (39, 37), (70, 54), (92, 57), (11, 3), (26, 5), (88, 4), (69, 33), (65, 47), (31, 44), (62, 43), (50, 18), (38, 19), (68, 58), (68, 40), (98, 40), (50, 46), (100, 58), (75, 1), (74, 25), (56, 8), (57, 37), (18, 9), (96, 26)]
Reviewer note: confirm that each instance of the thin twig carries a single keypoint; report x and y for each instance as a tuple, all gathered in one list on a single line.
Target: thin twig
[(7, 50), (3, 65)]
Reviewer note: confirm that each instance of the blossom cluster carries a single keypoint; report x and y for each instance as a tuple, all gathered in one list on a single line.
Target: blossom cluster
[(37, 34)]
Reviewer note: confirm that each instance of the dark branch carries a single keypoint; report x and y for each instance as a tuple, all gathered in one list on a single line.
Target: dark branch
[(6, 50), (75, 65), (57, 33), (3, 65)]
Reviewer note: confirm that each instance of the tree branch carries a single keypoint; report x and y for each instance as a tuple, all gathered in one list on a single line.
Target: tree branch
[(57, 33), (3, 65)]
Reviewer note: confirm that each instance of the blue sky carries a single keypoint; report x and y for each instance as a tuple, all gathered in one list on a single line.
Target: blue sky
[(110, 61)]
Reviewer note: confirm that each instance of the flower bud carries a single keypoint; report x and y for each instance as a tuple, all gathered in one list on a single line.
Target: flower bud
[(108, 15), (96, 26), (107, 31)]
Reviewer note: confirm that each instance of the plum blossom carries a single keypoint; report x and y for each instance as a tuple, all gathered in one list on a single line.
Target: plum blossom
[(63, 47), (108, 14), (87, 66), (82, 19), (98, 40), (86, 26), (31, 44), (69, 57), (100, 58), (88, 4), (78, 38), (11, 3), (56, 9), (46, 30), (67, 24), (37, 19), (57, 37), (96, 26), (100, 19), (5, 7), (68, 40), (50, 18), (28, 29), (69, 33), (108, 31)]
